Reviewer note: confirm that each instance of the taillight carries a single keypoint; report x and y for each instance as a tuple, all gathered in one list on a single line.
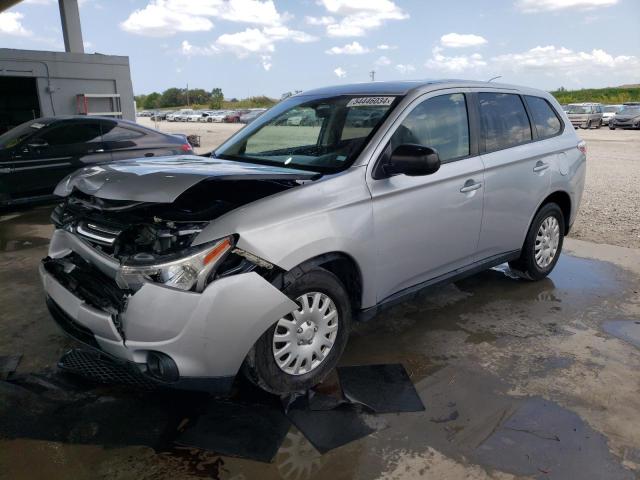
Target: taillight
[(185, 147), (582, 146)]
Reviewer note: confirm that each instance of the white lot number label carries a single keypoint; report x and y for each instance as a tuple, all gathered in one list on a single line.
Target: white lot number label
[(371, 102)]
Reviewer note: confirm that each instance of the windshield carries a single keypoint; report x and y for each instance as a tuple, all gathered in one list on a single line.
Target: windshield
[(610, 109), (630, 110), (323, 134), (578, 109), (20, 133)]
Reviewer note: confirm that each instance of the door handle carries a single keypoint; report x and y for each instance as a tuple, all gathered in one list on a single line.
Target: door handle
[(540, 167), (98, 150), (470, 186), (148, 154)]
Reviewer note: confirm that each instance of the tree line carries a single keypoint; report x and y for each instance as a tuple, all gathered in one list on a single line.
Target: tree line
[(610, 96), (214, 99)]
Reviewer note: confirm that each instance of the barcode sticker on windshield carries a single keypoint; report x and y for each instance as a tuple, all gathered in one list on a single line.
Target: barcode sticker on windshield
[(371, 102)]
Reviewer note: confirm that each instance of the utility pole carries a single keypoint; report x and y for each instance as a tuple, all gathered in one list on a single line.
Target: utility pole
[(188, 105), (372, 75)]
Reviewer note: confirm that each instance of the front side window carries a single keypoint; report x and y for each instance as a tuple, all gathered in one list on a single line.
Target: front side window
[(72, 133), (544, 117), (324, 134), (440, 123), (504, 121)]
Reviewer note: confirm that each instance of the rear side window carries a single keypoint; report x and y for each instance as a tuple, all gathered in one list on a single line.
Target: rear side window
[(544, 117), (118, 134), (504, 121), (440, 123), (72, 133)]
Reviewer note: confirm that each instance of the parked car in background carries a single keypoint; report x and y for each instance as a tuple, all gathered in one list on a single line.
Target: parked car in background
[(260, 258), (160, 115), (234, 116), (585, 115), (608, 111), (36, 155), (251, 115), (628, 117), (192, 117), (180, 115), (218, 116)]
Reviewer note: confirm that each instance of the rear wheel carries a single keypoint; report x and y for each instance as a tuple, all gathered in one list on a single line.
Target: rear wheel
[(599, 124), (542, 245), (301, 348)]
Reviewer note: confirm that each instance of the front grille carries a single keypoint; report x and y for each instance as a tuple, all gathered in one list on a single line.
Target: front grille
[(100, 234), (101, 368)]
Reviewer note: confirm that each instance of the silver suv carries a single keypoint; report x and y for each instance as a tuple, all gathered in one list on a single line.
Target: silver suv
[(585, 115), (260, 258)]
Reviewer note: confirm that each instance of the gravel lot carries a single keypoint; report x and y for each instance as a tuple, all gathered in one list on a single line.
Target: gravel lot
[(610, 210)]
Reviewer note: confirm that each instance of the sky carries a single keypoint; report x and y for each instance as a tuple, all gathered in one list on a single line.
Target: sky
[(255, 47)]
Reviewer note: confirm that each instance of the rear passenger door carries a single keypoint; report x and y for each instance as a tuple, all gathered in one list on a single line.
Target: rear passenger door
[(517, 170)]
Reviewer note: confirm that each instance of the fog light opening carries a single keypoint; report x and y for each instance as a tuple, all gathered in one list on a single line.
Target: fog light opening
[(162, 367)]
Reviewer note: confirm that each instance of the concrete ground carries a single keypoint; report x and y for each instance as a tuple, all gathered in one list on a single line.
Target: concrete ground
[(519, 380)]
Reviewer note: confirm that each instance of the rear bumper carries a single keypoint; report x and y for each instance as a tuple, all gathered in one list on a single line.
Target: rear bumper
[(207, 335)]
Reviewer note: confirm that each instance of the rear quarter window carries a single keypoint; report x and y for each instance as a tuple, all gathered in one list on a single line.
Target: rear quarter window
[(544, 117)]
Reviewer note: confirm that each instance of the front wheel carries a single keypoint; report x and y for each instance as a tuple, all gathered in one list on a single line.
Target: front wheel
[(301, 348), (542, 245)]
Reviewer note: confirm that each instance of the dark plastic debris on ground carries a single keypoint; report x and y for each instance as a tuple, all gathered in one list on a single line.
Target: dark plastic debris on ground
[(8, 365), (251, 424)]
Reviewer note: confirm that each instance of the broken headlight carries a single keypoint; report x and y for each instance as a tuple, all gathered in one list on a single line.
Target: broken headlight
[(190, 272)]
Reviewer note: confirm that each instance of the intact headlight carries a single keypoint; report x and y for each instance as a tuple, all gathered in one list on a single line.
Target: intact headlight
[(187, 273)]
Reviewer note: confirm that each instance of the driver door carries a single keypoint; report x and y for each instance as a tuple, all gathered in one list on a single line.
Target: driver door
[(45, 159), (428, 226)]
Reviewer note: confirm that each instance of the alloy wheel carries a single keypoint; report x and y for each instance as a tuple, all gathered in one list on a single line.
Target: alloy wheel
[(547, 241)]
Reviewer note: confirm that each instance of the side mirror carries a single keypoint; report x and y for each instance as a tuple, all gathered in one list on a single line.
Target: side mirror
[(412, 160)]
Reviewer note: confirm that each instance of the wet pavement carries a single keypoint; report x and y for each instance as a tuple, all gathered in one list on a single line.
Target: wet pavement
[(518, 380)]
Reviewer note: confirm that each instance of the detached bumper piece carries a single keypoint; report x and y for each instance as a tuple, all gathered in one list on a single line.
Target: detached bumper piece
[(101, 368)]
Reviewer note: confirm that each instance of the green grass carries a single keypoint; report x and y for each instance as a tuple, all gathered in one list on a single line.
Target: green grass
[(614, 96)]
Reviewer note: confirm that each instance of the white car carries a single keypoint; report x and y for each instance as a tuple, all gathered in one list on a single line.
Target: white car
[(218, 117), (608, 112), (180, 115), (193, 117)]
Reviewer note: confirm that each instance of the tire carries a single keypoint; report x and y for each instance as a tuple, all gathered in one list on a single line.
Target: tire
[(611, 127), (527, 266), (261, 367), (599, 125)]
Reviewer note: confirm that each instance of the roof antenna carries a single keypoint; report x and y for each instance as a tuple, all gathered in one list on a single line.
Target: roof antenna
[(494, 78), (372, 75)]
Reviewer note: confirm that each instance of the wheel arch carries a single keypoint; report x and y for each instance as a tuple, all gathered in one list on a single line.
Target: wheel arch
[(342, 265), (563, 200)]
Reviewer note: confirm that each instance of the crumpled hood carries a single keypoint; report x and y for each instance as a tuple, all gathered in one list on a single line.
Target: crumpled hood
[(163, 179)]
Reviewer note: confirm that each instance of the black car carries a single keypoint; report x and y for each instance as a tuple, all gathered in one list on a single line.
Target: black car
[(627, 117), (36, 155)]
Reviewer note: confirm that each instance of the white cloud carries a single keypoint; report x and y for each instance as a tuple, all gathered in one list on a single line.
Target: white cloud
[(266, 62), (532, 6), (384, 46), (359, 16), (319, 20), (383, 61), (167, 17), (405, 68), (554, 60), (254, 40), (11, 24), (340, 72), (353, 48), (457, 40), (454, 64), (191, 50)]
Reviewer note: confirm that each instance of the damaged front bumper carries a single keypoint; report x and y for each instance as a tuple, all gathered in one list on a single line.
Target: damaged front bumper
[(206, 335)]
